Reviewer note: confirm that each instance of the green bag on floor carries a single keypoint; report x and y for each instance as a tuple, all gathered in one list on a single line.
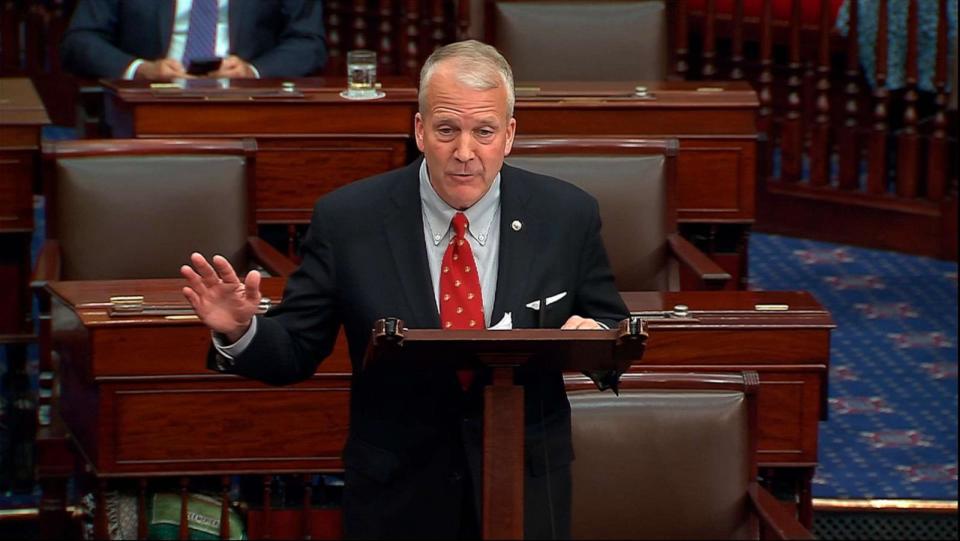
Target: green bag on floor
[(203, 518)]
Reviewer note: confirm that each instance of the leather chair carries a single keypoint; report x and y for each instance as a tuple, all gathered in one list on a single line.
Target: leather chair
[(125, 209), (634, 182), (135, 209), (672, 457), (581, 40)]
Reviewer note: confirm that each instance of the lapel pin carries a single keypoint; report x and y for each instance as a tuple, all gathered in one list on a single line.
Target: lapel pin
[(516, 225)]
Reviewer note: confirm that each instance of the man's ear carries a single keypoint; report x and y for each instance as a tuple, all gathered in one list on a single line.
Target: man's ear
[(511, 132), (418, 128)]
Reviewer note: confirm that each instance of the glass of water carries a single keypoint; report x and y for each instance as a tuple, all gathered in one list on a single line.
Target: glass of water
[(361, 73)]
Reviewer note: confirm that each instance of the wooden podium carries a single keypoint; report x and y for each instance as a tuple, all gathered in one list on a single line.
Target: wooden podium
[(503, 409)]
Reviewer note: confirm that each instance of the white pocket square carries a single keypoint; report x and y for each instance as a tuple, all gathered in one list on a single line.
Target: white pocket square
[(535, 305), (504, 324)]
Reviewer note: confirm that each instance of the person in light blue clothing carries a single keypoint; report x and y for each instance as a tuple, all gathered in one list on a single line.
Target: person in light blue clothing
[(927, 15)]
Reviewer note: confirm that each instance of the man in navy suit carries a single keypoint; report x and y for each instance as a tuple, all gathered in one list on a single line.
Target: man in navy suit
[(150, 39), (380, 247)]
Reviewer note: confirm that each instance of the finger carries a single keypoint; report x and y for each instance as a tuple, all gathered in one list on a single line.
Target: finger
[(588, 324), (225, 270), (193, 279), (251, 286), (207, 274), (572, 323), (192, 298)]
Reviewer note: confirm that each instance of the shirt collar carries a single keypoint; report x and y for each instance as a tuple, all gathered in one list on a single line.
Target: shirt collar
[(437, 214)]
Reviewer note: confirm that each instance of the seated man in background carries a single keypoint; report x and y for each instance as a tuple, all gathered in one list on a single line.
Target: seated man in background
[(153, 39), (455, 240)]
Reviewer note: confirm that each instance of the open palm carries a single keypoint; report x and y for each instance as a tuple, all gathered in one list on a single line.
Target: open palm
[(220, 299)]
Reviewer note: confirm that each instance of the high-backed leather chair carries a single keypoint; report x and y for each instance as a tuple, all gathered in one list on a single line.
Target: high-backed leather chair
[(672, 457), (135, 209), (581, 40), (634, 182), (119, 209)]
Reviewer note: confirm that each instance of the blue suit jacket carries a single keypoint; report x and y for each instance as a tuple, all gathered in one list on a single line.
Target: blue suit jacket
[(364, 259), (281, 38)]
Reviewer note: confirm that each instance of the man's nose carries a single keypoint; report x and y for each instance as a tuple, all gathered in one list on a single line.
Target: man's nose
[(464, 149)]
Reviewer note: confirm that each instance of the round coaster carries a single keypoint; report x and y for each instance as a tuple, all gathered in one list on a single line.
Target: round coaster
[(346, 94)]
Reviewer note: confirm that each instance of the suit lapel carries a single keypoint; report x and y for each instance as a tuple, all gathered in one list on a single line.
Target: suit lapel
[(404, 229), (165, 16), (517, 247)]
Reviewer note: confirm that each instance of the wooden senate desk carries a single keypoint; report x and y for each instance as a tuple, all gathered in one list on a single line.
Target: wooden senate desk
[(312, 141), (22, 116), (138, 400)]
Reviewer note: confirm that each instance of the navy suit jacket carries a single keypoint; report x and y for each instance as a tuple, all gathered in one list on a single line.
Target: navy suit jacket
[(363, 259), (281, 38)]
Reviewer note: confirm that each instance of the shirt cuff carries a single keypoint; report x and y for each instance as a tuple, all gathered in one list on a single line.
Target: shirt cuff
[(256, 72), (132, 69), (233, 350)]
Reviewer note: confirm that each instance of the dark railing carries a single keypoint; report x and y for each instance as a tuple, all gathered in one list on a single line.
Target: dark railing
[(841, 160)]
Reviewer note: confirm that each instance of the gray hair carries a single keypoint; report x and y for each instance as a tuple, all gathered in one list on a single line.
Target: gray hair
[(479, 66)]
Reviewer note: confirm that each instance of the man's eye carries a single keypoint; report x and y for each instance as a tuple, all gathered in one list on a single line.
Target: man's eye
[(485, 132), (445, 131)]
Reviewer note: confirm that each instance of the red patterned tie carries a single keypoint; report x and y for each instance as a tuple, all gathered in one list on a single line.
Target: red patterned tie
[(461, 301)]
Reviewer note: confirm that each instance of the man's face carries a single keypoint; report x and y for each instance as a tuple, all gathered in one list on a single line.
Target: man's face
[(464, 134)]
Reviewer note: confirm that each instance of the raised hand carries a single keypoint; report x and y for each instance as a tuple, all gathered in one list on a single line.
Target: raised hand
[(220, 299)]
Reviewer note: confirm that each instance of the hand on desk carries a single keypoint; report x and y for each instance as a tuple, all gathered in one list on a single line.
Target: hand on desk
[(233, 67), (577, 322), (164, 68), (220, 299)]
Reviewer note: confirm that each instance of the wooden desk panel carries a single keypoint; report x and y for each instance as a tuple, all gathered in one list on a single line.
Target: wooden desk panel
[(138, 400), (790, 351), (22, 118), (714, 123)]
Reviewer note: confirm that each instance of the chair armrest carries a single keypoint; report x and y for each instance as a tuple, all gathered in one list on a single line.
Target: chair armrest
[(711, 275), (48, 266), (276, 263), (775, 521)]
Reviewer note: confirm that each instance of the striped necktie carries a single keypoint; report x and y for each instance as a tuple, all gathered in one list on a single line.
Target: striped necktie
[(202, 32)]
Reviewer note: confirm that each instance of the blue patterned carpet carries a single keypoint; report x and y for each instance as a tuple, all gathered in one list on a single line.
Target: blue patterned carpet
[(892, 428)]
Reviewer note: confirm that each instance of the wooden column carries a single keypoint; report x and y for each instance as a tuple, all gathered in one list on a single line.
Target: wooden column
[(463, 19), (681, 67), (791, 147), (359, 24), (142, 508), (907, 140), (709, 54), (937, 155), (333, 32), (765, 92), (847, 144), (437, 19), (877, 157), (820, 141), (385, 51), (184, 508), (411, 37), (736, 57)]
